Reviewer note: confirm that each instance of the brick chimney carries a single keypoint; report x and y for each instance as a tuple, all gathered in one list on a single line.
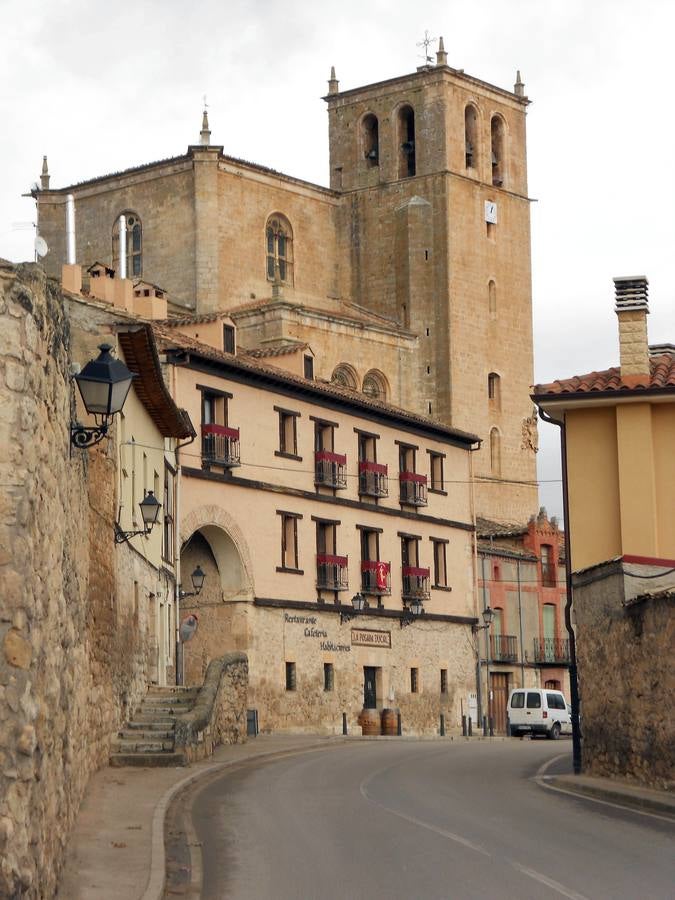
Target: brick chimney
[(632, 308)]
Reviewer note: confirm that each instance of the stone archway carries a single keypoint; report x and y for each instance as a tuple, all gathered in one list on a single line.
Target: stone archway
[(228, 546)]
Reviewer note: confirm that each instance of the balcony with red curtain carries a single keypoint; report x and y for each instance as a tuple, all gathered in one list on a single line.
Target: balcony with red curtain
[(373, 479), (331, 572), (415, 583), (413, 488), (329, 469), (220, 445)]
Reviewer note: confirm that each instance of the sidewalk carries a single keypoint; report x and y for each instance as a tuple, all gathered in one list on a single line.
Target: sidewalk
[(621, 793), (116, 848)]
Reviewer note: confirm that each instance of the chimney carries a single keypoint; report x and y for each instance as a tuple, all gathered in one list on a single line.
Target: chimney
[(632, 308), (150, 300)]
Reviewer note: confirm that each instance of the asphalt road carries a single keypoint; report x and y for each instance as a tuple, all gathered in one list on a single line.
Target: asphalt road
[(421, 820)]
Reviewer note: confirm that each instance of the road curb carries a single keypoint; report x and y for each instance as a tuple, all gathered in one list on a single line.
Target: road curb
[(642, 802), (154, 888)]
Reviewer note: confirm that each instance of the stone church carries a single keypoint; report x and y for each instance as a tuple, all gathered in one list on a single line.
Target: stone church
[(409, 276)]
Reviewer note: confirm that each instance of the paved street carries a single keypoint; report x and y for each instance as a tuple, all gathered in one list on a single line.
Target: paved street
[(421, 820)]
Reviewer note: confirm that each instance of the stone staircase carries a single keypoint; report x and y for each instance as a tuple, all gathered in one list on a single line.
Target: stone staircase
[(148, 738)]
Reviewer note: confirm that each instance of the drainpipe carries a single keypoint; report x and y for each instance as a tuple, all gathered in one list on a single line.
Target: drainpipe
[(479, 699), (520, 625), (123, 246), (574, 685)]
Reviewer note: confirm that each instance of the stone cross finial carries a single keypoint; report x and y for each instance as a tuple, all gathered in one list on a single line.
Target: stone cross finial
[(44, 177), (205, 133), (519, 87), (441, 55), (333, 83)]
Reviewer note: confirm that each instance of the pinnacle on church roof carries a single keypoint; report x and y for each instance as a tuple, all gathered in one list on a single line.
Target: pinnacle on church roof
[(519, 86), (441, 55), (44, 177), (333, 83), (205, 133)]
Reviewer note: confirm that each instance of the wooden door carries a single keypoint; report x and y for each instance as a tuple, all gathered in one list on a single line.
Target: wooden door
[(499, 689), (369, 687)]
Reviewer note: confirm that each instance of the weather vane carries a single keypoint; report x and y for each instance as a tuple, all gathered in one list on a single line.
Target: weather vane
[(205, 103), (425, 43)]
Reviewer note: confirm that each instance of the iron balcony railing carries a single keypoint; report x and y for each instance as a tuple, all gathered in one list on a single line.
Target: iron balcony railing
[(375, 577), (331, 572), (373, 479), (415, 583), (504, 647), (552, 650), (220, 445), (413, 488), (549, 575), (329, 469)]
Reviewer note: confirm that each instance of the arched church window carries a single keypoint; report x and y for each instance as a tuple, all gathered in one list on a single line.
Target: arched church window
[(406, 142), (134, 244), (345, 376), (371, 141), (375, 385), (492, 299), (470, 137), (279, 249), (497, 150), (495, 452)]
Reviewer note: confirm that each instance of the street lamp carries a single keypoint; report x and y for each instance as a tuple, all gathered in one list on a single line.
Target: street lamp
[(103, 384), (414, 610), (488, 615), (359, 604), (198, 577), (150, 508)]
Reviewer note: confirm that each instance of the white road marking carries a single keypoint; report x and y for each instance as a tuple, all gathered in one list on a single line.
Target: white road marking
[(549, 882)]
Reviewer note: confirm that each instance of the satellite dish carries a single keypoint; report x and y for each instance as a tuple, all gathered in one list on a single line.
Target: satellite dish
[(41, 247)]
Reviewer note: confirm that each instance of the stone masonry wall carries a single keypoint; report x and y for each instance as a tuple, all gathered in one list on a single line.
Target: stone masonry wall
[(626, 682), (65, 669)]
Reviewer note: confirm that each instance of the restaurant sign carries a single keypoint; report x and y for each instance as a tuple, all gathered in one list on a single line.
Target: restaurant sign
[(369, 637)]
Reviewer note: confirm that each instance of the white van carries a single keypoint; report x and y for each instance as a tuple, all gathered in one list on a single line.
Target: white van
[(538, 711)]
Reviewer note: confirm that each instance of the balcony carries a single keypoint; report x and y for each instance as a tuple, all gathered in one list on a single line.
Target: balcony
[(331, 572), (549, 575), (503, 647), (329, 469), (413, 488), (220, 445), (415, 583), (552, 651), (375, 577), (373, 479)]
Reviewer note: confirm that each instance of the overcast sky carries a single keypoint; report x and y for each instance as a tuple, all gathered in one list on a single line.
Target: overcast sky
[(103, 86)]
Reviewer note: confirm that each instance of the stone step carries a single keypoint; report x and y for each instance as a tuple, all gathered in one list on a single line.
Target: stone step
[(146, 734), (141, 720), (123, 745), (152, 726), (148, 760), (176, 690), (164, 704)]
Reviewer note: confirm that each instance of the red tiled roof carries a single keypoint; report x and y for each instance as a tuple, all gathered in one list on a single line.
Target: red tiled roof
[(281, 350), (662, 376)]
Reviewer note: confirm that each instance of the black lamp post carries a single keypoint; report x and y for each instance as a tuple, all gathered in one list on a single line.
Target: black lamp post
[(359, 604), (198, 577), (414, 609), (150, 508), (488, 615), (104, 384)]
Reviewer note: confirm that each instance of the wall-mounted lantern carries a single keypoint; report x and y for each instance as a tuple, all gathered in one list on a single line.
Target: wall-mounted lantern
[(150, 508), (414, 610), (198, 577), (104, 384), (359, 604)]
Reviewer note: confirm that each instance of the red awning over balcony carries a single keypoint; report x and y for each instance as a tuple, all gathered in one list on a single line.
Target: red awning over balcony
[(415, 572), (327, 559), (412, 476), (379, 468), (222, 430), (339, 459), (372, 565)]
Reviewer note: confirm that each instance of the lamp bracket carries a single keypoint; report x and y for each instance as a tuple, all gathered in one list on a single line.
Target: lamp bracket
[(122, 536), (182, 594), (82, 436), (346, 617)]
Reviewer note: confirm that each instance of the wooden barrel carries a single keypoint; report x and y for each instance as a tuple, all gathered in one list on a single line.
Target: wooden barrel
[(369, 720), (390, 721)]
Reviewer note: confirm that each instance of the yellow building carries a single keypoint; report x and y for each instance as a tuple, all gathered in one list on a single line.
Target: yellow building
[(409, 275), (618, 440)]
